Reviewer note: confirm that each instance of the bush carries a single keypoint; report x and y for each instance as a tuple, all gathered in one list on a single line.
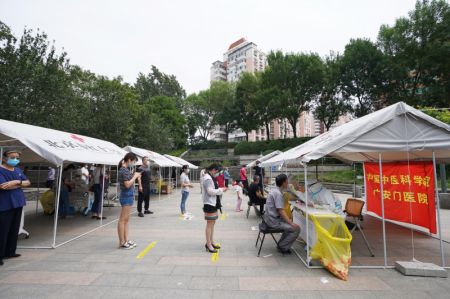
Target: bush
[(210, 144), (265, 147)]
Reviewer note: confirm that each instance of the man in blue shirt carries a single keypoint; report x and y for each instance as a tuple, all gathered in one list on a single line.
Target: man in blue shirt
[(12, 200)]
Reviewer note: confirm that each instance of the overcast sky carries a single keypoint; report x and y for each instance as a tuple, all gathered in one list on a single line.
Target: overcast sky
[(183, 37)]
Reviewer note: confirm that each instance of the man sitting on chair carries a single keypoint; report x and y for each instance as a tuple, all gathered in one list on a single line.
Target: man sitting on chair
[(275, 216), (256, 195)]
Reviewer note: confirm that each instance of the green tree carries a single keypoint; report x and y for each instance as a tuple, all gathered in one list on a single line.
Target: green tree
[(363, 75), (222, 96), (114, 106), (297, 81), (442, 115), (157, 83), (330, 105), (418, 52), (172, 118), (247, 89), (199, 114), (150, 130)]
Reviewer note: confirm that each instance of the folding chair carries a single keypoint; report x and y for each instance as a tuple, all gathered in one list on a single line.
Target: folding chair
[(250, 205), (264, 230), (353, 209)]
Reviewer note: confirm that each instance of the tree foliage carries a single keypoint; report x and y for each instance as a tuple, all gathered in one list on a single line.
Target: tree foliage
[(38, 86)]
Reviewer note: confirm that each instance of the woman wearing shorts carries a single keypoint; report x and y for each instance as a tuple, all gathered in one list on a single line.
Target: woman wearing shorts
[(210, 205), (126, 181)]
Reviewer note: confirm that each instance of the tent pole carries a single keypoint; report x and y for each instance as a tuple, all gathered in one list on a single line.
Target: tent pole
[(103, 196), (159, 182), (382, 209), (58, 192), (305, 171), (38, 190), (443, 178), (438, 205)]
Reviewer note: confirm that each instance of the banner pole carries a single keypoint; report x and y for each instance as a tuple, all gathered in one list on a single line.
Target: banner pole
[(382, 210), (58, 193), (438, 205)]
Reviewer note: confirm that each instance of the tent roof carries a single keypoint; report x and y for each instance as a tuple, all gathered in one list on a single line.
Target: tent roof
[(181, 161), (40, 144), (264, 158), (154, 157), (398, 132)]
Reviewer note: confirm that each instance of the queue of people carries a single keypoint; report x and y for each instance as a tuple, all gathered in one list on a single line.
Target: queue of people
[(213, 183)]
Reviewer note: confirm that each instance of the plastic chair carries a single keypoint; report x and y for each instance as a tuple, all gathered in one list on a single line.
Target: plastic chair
[(353, 209), (264, 229)]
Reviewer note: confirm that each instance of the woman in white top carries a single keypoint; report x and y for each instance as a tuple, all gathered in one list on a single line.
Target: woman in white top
[(185, 186), (210, 193)]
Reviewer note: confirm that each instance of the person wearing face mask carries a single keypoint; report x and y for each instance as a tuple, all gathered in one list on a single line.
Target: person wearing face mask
[(211, 205), (12, 200), (126, 181), (275, 216), (185, 187), (144, 188)]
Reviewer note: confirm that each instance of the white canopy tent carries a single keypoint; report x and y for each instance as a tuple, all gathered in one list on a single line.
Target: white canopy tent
[(264, 158), (155, 158), (396, 133), (184, 162), (40, 144), (181, 161)]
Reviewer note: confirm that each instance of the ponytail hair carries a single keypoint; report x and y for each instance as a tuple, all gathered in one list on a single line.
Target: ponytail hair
[(128, 157)]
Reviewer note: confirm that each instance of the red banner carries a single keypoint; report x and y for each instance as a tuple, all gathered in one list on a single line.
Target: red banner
[(408, 192)]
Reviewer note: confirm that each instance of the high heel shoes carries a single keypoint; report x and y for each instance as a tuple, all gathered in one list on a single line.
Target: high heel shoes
[(207, 249), (215, 246)]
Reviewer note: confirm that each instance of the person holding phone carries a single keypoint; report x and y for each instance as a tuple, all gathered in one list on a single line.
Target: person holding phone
[(211, 205), (126, 180), (185, 188)]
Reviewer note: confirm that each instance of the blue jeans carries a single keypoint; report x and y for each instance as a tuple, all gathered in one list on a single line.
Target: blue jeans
[(97, 204), (184, 197), (64, 204)]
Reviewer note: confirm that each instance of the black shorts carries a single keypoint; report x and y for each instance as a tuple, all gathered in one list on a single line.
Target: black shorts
[(209, 209)]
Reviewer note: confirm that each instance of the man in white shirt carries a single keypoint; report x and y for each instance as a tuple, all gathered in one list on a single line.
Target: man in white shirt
[(85, 174)]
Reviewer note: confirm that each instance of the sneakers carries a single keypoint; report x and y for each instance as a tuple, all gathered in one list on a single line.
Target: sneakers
[(131, 243), (140, 214), (148, 212), (126, 246)]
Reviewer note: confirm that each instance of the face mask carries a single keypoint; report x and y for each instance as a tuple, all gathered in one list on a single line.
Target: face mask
[(131, 164), (187, 171), (216, 174), (13, 162)]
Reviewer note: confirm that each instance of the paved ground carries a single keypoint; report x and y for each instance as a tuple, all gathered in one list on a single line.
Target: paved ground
[(178, 267)]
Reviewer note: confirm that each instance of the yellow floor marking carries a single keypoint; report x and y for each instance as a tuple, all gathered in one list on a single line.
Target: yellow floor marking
[(223, 216), (215, 256), (146, 250)]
